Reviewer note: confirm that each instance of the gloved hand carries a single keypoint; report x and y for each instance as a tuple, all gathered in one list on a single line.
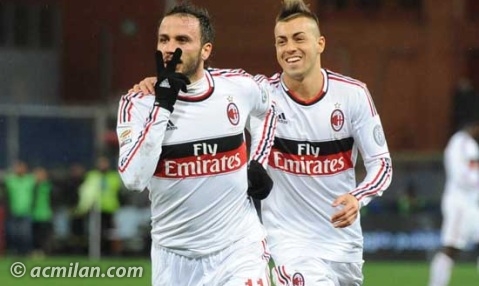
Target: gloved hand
[(259, 182), (169, 82)]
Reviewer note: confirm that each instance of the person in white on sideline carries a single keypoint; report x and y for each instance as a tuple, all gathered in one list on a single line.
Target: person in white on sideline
[(460, 202), (186, 146), (325, 119)]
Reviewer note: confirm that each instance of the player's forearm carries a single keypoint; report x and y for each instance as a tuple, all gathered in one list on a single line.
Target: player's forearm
[(377, 180), (262, 130), (139, 157)]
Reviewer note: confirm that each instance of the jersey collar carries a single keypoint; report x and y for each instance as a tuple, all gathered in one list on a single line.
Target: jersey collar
[(313, 100), (200, 90)]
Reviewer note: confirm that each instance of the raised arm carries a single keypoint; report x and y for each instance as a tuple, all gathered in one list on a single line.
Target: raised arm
[(142, 121)]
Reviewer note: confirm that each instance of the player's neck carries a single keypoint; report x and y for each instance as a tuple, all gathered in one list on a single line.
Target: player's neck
[(307, 87), (198, 75)]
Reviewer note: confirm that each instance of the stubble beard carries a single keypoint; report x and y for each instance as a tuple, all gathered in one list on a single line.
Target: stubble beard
[(190, 68)]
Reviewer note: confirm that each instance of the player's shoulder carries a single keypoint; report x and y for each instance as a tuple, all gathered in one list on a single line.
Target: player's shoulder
[(335, 78), (229, 73), (137, 98), (273, 80), (234, 78)]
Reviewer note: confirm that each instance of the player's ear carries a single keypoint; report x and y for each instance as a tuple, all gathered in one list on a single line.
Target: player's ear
[(321, 44), (206, 51)]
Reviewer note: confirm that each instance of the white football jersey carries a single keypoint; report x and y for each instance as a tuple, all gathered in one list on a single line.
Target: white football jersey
[(460, 202), (312, 163), (193, 161), (461, 162)]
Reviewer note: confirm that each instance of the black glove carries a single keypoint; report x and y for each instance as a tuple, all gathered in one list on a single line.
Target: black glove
[(169, 83), (259, 182)]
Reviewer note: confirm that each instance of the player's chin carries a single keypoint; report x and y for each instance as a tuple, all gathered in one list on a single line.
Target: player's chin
[(293, 73)]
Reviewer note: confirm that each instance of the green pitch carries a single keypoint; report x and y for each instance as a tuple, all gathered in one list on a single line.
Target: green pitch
[(376, 273), (415, 274)]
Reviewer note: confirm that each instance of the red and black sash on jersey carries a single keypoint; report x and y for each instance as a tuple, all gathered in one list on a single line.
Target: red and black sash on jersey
[(202, 158), (312, 158)]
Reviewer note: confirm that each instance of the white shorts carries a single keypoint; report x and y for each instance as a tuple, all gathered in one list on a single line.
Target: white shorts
[(243, 263), (459, 223), (309, 270)]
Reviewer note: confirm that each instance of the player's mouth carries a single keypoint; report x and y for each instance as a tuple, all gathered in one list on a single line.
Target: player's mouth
[(292, 60)]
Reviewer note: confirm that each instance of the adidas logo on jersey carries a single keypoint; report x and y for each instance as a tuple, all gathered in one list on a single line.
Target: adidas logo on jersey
[(170, 126), (282, 118)]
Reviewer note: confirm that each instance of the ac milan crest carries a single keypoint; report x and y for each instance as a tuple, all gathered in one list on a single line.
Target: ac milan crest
[(298, 279), (337, 119), (233, 114)]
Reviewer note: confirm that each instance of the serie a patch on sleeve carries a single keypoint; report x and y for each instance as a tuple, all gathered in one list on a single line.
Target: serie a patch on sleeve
[(125, 137)]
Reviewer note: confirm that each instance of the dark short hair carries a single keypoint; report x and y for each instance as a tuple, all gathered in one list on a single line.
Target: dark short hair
[(187, 8), (295, 8)]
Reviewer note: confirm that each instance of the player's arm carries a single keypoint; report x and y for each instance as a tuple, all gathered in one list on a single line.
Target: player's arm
[(141, 124), (262, 122), (371, 141), (369, 136), (261, 126), (464, 167), (140, 129)]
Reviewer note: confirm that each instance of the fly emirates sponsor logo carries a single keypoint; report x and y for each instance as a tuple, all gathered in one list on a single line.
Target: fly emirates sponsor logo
[(205, 161), (308, 161)]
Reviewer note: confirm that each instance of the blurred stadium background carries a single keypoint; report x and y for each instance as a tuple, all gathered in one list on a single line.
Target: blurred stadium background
[(64, 65)]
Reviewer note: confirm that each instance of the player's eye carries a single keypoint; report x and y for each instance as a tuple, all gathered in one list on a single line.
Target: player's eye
[(182, 39)]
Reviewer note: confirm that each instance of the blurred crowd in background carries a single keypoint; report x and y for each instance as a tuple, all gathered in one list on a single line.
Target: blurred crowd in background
[(46, 212)]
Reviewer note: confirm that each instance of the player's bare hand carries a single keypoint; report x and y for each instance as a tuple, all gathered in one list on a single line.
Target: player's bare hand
[(348, 213), (147, 86)]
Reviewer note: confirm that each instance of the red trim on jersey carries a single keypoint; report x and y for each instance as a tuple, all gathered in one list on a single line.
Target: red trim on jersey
[(266, 254), (267, 135), (375, 181), (377, 184), (282, 269), (196, 98), (124, 112), (120, 110), (294, 96), (141, 138), (311, 101), (342, 78), (228, 72), (282, 275)]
